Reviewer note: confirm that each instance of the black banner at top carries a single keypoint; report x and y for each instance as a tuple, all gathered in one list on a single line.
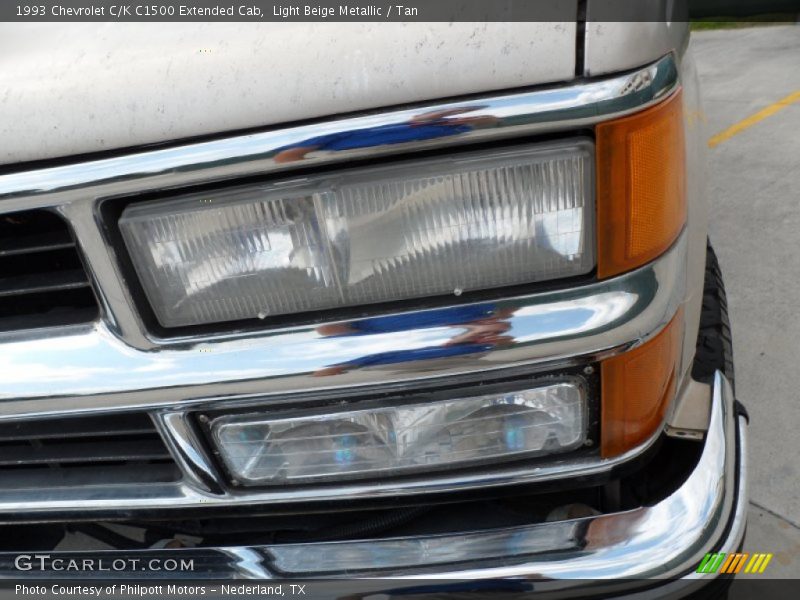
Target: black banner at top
[(342, 10)]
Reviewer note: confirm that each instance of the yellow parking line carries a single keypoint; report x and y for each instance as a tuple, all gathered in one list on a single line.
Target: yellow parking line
[(752, 120)]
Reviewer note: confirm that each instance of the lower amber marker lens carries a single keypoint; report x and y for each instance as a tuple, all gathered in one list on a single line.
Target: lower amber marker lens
[(636, 388)]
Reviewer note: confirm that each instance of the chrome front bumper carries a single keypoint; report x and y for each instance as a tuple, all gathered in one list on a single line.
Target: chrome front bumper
[(665, 541)]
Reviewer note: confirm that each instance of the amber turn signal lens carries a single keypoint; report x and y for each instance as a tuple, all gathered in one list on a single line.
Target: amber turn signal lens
[(641, 186), (636, 388)]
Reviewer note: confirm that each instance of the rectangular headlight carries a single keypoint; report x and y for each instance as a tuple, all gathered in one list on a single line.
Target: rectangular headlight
[(385, 441), (414, 229)]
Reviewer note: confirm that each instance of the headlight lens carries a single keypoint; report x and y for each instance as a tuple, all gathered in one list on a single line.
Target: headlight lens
[(415, 229), (258, 450)]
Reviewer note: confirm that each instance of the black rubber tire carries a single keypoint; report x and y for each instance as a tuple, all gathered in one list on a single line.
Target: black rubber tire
[(714, 349)]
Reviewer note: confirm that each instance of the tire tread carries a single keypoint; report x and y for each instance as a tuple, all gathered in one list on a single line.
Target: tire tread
[(714, 349)]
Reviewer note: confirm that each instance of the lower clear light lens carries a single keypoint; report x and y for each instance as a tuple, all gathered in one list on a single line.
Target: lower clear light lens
[(411, 230), (396, 440)]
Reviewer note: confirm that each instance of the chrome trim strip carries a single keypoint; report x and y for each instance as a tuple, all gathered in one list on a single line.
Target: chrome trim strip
[(185, 446), (51, 372), (668, 539), (740, 517), (76, 189)]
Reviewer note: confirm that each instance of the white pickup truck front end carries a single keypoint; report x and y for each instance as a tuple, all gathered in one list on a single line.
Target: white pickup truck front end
[(450, 339)]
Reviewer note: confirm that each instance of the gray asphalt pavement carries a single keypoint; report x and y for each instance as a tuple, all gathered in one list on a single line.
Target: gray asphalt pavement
[(755, 228)]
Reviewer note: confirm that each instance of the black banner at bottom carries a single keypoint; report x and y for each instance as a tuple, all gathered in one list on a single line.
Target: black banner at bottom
[(406, 589)]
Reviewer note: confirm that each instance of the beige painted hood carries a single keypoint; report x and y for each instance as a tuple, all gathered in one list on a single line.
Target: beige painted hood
[(68, 89)]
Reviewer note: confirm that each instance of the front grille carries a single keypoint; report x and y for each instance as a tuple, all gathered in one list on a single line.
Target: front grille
[(77, 451), (42, 280)]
